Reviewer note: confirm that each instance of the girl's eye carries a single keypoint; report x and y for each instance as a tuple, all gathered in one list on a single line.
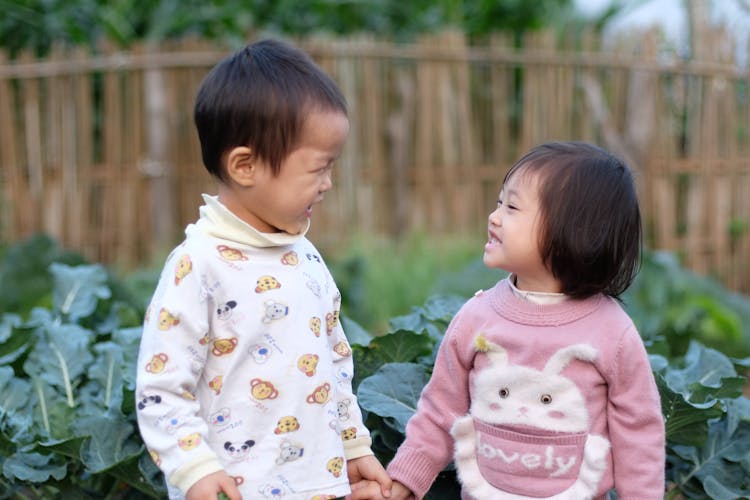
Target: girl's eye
[(546, 399), (504, 392)]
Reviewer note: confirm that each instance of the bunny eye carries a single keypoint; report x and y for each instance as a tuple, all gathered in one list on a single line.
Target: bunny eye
[(545, 399), (504, 392)]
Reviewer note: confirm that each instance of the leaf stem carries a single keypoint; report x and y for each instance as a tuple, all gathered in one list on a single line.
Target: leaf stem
[(43, 405), (68, 302), (66, 377), (108, 392)]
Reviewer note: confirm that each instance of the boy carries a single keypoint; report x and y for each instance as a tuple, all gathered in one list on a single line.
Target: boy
[(244, 372)]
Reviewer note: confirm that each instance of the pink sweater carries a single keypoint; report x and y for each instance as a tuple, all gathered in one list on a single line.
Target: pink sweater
[(586, 362)]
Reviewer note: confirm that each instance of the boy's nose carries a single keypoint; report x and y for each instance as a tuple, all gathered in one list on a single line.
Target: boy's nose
[(327, 183)]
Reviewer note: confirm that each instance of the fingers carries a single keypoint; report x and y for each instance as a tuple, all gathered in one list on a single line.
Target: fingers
[(366, 490), (229, 489)]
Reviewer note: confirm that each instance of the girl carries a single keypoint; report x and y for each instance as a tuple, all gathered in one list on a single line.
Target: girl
[(542, 387)]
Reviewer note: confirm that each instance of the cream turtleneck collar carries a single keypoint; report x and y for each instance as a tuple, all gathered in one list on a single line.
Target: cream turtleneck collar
[(536, 297), (218, 221)]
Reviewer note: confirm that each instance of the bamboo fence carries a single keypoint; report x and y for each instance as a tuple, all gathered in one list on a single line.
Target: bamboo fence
[(99, 150)]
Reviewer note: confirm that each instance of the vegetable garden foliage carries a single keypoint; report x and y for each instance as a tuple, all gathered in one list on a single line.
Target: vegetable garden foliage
[(67, 367), (67, 379), (38, 24)]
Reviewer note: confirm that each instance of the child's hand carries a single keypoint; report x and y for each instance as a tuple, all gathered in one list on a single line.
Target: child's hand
[(370, 490), (367, 470), (401, 492), (212, 486)]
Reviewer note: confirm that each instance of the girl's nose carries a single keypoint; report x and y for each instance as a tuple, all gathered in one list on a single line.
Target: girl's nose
[(495, 218)]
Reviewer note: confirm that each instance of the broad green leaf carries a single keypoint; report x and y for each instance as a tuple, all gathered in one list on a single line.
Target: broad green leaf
[(730, 387), (15, 420), (355, 334), (128, 339), (60, 357), (111, 441), (70, 448), (151, 473), (401, 346), (743, 362), (719, 464), (52, 414), (78, 289), (432, 318), (24, 270), (685, 423), (106, 373), (7, 323), (33, 467), (15, 338), (149, 482), (727, 484), (704, 369), (442, 307), (14, 392), (393, 391)]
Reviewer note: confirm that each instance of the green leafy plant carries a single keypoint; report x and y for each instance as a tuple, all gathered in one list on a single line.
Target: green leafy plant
[(67, 379), (68, 352)]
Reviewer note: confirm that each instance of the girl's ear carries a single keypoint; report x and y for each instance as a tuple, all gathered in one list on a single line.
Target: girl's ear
[(242, 166)]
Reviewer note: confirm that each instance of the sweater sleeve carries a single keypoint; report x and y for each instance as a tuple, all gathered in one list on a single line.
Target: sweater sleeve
[(350, 424), (170, 364), (428, 447), (636, 424)]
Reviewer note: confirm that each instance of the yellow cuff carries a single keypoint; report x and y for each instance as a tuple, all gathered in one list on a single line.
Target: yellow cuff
[(359, 447), (190, 473)]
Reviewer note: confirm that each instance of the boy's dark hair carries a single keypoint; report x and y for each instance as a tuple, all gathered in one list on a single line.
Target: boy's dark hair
[(590, 234), (259, 97)]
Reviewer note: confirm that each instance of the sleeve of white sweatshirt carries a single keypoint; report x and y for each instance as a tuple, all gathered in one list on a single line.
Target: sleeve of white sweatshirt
[(169, 368), (356, 436)]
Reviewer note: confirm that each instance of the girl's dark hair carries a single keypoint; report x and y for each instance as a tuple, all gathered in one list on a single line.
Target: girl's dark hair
[(590, 234), (259, 97)]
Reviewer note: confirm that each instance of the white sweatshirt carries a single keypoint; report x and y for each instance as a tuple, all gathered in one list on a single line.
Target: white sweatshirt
[(244, 366)]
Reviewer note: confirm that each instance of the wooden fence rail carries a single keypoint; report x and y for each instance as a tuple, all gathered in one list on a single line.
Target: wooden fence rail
[(99, 151)]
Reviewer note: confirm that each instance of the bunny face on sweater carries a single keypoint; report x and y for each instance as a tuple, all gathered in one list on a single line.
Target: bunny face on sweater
[(519, 395)]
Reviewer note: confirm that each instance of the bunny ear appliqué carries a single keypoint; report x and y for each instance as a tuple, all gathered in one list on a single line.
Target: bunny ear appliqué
[(498, 356), (557, 363)]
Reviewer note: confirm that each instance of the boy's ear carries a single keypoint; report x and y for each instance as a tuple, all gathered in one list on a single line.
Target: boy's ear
[(242, 166)]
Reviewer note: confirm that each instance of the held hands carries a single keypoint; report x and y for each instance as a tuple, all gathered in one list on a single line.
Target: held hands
[(371, 490), (212, 486), (368, 479), (401, 492)]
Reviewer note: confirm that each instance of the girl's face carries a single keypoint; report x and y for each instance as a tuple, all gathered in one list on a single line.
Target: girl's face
[(285, 202), (513, 234)]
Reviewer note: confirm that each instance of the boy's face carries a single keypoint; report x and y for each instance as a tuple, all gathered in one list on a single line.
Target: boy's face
[(285, 202)]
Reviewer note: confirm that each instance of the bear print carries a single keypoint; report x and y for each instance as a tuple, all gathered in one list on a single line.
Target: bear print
[(289, 452), (266, 283), (274, 311)]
